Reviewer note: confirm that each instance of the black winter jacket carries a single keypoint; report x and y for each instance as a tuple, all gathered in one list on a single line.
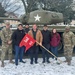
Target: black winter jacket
[(17, 36), (26, 30), (46, 36)]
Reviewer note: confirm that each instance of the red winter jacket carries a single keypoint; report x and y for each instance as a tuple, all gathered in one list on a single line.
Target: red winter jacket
[(55, 40)]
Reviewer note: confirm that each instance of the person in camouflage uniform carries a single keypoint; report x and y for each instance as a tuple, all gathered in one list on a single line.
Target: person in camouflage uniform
[(6, 43), (68, 44)]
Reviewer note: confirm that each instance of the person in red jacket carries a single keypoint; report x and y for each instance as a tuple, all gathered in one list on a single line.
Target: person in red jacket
[(55, 40)]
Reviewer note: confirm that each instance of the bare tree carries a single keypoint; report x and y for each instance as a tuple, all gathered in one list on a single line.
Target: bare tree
[(11, 5)]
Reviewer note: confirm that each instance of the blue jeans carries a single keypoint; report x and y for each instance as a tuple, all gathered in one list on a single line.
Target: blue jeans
[(45, 53), (54, 50), (19, 52)]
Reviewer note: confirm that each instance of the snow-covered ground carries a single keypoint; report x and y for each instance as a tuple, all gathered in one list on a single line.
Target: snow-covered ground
[(39, 69)]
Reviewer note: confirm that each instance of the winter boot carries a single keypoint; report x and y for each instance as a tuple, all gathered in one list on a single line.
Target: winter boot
[(48, 61), (69, 62), (43, 61), (10, 61), (2, 65)]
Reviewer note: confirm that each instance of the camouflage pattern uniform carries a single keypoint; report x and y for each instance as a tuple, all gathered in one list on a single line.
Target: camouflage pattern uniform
[(5, 37), (68, 45), (0, 39)]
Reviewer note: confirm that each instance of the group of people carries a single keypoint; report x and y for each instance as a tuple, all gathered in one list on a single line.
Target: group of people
[(50, 40)]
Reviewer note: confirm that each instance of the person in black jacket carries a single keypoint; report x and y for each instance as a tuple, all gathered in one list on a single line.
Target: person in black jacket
[(26, 29), (17, 36), (45, 43)]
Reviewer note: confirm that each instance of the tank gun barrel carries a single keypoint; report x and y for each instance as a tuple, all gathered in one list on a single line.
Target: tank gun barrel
[(6, 18)]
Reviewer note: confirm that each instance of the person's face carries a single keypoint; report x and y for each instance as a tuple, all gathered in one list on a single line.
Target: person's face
[(34, 27), (27, 26), (67, 30), (20, 27), (45, 28), (54, 30), (8, 26)]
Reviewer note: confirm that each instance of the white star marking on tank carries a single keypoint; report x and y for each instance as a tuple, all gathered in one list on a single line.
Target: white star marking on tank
[(37, 18)]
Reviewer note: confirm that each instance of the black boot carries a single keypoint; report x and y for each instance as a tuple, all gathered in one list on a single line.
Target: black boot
[(36, 61), (48, 61), (43, 61), (31, 61), (22, 61)]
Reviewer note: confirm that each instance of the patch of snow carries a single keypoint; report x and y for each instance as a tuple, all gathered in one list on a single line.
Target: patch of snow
[(39, 69)]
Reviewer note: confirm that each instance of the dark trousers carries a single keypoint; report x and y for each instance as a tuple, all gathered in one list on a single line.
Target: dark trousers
[(34, 53), (54, 50), (19, 52), (45, 53)]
